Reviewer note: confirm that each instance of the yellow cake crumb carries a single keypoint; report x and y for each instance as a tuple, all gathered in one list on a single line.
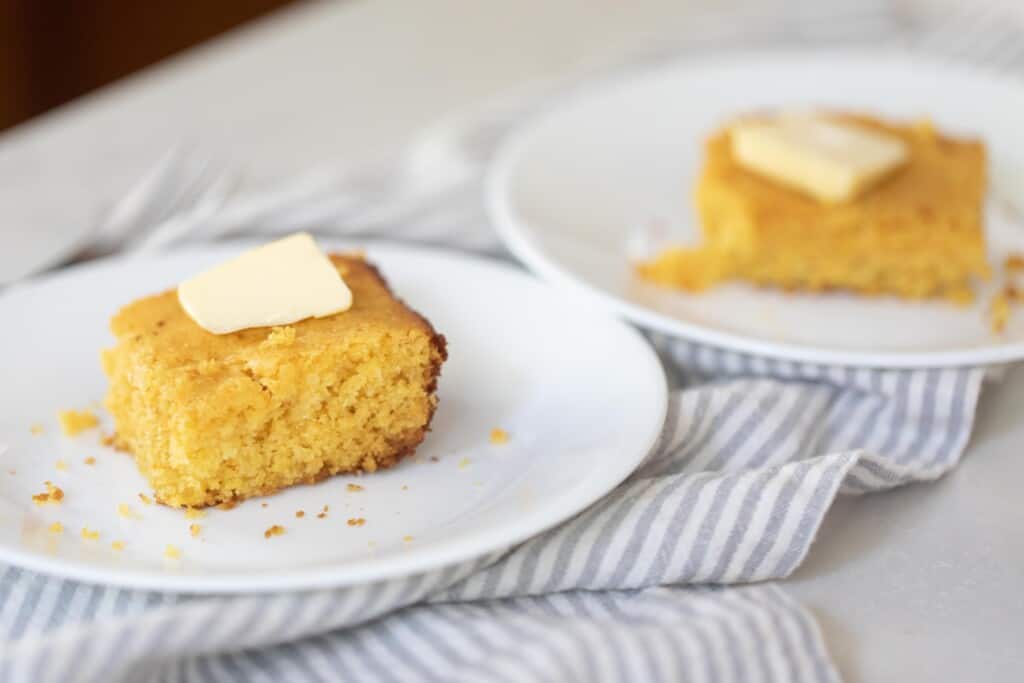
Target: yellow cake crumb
[(61, 466), (407, 539), (117, 546), (353, 487), (56, 528), (36, 429), (356, 521), (999, 312), (194, 529), (90, 460), (73, 422), (172, 553), (53, 494), (275, 530), (499, 436), (90, 535), (146, 500), (108, 440), (300, 513), (464, 463), (322, 513), (125, 510)]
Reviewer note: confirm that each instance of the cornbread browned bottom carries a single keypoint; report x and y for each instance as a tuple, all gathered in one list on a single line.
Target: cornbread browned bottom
[(917, 234), (212, 419)]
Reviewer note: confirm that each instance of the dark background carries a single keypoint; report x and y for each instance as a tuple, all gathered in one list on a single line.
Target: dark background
[(52, 51)]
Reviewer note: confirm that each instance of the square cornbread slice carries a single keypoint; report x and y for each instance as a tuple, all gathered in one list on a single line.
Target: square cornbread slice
[(917, 234), (218, 418)]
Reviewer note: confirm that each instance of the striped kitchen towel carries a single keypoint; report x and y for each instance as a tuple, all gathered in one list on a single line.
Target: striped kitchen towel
[(671, 577), (751, 457)]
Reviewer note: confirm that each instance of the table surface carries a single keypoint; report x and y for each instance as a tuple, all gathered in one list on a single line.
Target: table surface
[(922, 583)]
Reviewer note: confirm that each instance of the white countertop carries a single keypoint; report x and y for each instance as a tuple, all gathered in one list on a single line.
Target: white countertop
[(918, 584)]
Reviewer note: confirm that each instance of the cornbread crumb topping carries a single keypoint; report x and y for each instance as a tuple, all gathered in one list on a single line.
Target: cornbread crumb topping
[(72, 422)]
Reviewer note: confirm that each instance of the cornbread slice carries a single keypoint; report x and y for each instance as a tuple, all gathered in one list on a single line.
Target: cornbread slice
[(917, 234), (213, 419)]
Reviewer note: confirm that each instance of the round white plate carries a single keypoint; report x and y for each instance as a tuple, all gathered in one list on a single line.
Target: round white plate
[(572, 190), (582, 396)]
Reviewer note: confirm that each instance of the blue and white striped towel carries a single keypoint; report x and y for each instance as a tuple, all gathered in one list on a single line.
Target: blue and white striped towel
[(638, 587)]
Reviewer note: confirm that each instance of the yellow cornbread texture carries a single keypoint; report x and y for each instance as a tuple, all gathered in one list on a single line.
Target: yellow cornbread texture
[(212, 419), (918, 234)]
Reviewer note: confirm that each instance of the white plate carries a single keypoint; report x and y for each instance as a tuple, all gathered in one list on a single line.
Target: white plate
[(572, 189), (583, 398)]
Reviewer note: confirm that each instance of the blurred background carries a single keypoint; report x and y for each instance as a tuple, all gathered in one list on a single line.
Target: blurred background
[(52, 51)]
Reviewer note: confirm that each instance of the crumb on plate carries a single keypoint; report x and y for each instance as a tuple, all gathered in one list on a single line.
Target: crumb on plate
[(322, 513), (356, 521), (61, 466), (275, 530), (263, 505), (499, 436), (90, 534), (194, 529), (300, 513), (117, 546), (73, 422), (172, 553), (53, 494), (125, 510), (353, 487), (90, 460), (999, 312), (146, 500), (56, 528), (407, 539)]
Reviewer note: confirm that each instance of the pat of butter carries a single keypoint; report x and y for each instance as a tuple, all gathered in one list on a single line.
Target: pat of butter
[(277, 284), (830, 161)]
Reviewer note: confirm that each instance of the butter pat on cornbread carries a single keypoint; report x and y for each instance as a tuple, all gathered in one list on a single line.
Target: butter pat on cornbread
[(215, 418)]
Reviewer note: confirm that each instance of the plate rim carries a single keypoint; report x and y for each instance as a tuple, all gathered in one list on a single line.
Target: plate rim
[(518, 234), (465, 548)]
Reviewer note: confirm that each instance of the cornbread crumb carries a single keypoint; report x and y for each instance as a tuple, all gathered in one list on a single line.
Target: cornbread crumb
[(193, 513), (53, 494), (90, 535), (280, 336), (125, 510), (1014, 263), (999, 312), (464, 463), (407, 539), (146, 500), (499, 436), (117, 546), (61, 466), (56, 528), (275, 530), (36, 429), (90, 460), (300, 513), (322, 513), (263, 505), (194, 529), (108, 440), (356, 521), (172, 553), (353, 487), (73, 422)]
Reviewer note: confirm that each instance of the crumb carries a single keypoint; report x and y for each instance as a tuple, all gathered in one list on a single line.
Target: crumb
[(193, 513), (300, 513), (117, 546), (36, 429), (322, 513), (56, 528), (464, 463), (73, 422), (356, 521), (194, 529), (108, 440), (90, 535), (999, 312), (229, 505), (1014, 262), (280, 336), (61, 466), (172, 553), (263, 505), (275, 530), (434, 458), (404, 487), (146, 500), (407, 539), (499, 436), (90, 460), (53, 495), (353, 487)]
